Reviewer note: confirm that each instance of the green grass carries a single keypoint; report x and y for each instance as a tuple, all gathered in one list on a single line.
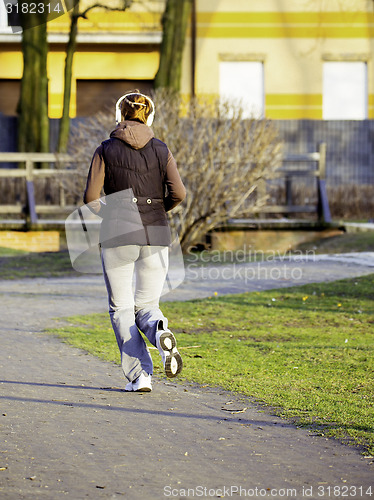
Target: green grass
[(11, 252), (306, 352), (347, 242), (16, 264)]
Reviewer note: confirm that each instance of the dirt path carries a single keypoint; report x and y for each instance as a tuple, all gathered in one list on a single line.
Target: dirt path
[(69, 431)]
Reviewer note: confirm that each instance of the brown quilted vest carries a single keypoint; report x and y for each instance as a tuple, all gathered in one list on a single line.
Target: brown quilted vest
[(135, 188)]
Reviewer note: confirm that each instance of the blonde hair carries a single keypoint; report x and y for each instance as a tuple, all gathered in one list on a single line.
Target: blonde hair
[(135, 106)]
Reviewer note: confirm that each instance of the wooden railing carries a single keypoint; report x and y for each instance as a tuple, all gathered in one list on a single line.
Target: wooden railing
[(29, 215), (288, 174)]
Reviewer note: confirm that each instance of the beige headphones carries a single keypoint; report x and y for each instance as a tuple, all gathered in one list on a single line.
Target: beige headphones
[(118, 108)]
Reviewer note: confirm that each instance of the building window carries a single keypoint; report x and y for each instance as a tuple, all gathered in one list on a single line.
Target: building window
[(243, 82), (345, 91)]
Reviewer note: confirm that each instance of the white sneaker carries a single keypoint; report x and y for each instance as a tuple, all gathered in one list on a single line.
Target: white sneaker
[(166, 344), (142, 384)]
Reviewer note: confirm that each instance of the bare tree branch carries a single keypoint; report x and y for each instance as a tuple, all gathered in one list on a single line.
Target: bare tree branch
[(99, 5)]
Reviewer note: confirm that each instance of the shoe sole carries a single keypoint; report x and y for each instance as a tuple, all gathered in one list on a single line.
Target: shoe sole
[(142, 389), (130, 388), (173, 360)]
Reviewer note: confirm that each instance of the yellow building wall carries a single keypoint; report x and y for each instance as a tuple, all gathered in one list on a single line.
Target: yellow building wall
[(97, 65), (100, 61), (292, 38), (94, 61), (101, 21)]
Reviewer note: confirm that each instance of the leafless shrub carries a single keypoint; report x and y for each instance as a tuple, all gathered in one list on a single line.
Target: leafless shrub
[(220, 156), (351, 202), (85, 137)]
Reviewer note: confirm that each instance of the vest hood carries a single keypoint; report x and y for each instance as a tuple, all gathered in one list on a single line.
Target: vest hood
[(136, 134)]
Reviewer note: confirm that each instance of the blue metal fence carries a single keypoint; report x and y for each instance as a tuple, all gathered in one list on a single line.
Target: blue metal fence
[(350, 145)]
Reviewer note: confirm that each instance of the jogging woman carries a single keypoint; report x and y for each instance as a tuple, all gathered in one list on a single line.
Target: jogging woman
[(141, 182)]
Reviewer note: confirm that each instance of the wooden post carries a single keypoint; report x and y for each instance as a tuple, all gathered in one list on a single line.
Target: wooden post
[(322, 161), (261, 192), (30, 192), (289, 200), (62, 195)]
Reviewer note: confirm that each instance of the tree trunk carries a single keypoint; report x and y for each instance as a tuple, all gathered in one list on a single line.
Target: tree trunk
[(63, 137), (174, 25), (33, 129)]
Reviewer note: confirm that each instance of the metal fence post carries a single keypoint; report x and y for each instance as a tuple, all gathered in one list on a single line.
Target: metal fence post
[(323, 208)]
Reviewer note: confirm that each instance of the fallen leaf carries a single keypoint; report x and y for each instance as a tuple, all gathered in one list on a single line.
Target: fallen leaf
[(242, 410)]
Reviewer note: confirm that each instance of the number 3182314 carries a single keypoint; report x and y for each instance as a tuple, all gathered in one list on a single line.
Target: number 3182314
[(34, 8)]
